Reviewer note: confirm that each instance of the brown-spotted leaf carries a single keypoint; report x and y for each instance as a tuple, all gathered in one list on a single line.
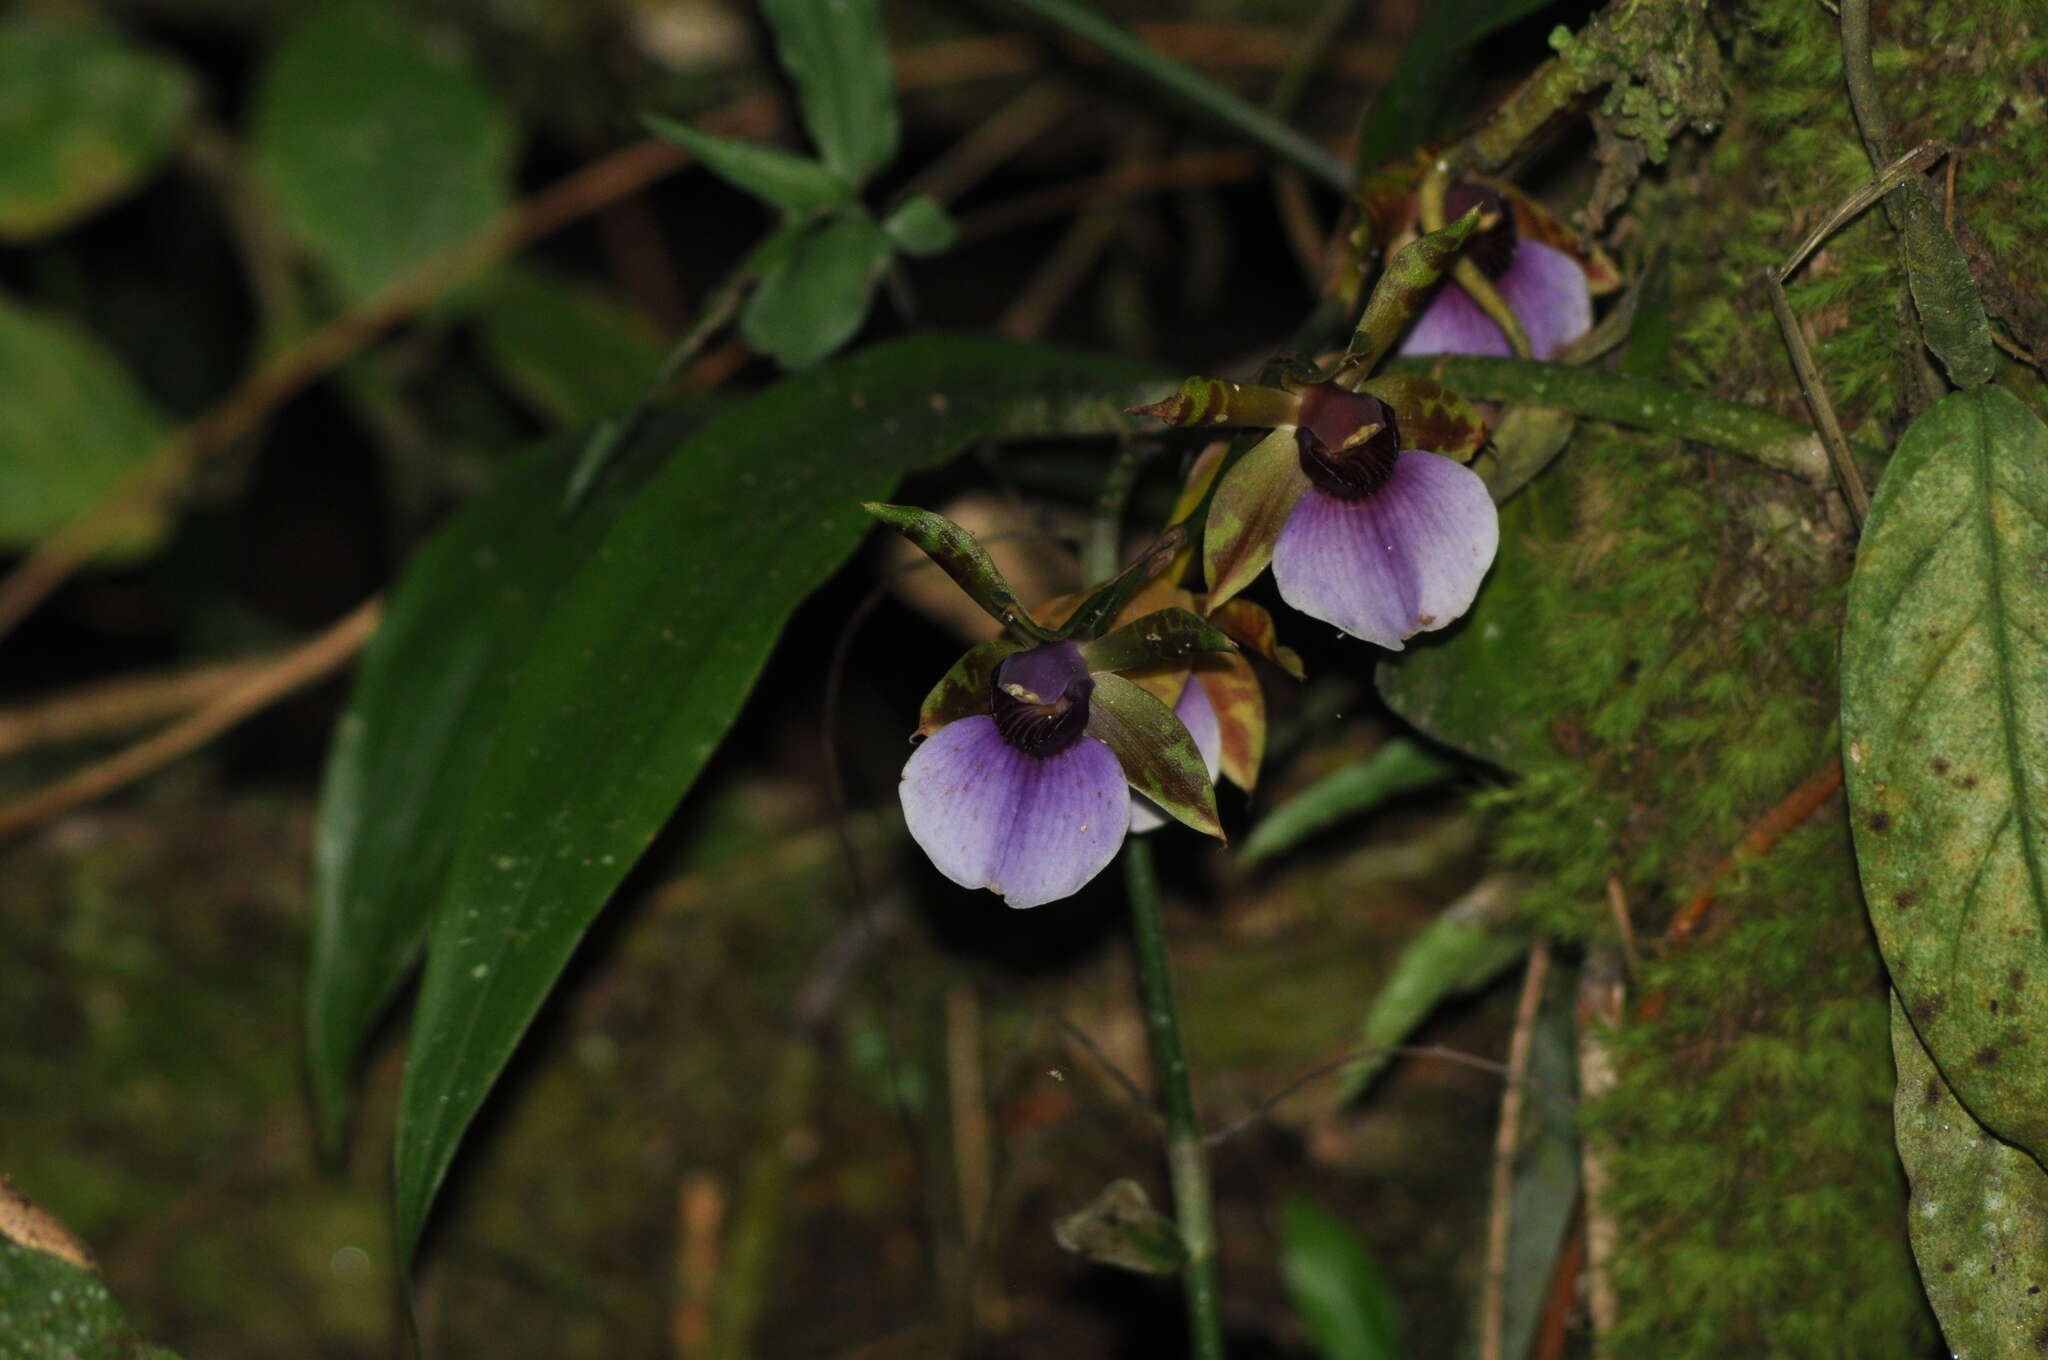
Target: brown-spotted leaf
[(1158, 756), (1220, 402), (1252, 503), (1979, 1213), (961, 557), (1253, 628), (1155, 639), (1945, 736), (1430, 415), (964, 690), (1403, 287)]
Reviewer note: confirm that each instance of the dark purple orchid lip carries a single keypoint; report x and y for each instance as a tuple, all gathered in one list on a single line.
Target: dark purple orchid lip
[(1347, 441), (1040, 699), (1491, 245)]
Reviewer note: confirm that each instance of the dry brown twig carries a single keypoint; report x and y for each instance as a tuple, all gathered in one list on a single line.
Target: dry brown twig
[(1507, 1145)]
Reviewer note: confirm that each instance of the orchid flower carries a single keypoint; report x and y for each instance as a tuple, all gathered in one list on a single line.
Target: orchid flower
[(1544, 285)]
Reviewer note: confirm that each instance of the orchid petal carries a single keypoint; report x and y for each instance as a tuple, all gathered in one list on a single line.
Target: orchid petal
[(1198, 715), (1252, 502), (1032, 828), (1544, 287), (1404, 560)]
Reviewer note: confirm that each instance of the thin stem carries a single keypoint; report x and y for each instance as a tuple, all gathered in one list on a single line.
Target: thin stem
[(1099, 552), (1213, 99), (1186, 1159)]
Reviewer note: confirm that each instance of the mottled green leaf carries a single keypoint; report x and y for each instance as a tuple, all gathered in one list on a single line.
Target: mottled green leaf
[(1464, 686), (1158, 756), (796, 184), (1430, 416), (1338, 1292), (1945, 734), (85, 117), (1402, 289), (1399, 767), (962, 557), (1471, 943), (1252, 503), (420, 721), (1119, 1227), (1978, 1216), (380, 148), (1952, 319), (922, 227), (571, 352), (1108, 601), (1408, 108), (812, 301), (1157, 639), (1217, 402), (50, 1310), (1526, 439), (73, 422), (838, 55), (966, 688), (633, 674)]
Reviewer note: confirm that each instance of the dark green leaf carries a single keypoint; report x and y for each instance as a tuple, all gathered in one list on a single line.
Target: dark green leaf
[(1158, 756), (73, 422), (1945, 738), (632, 676), (1108, 600), (571, 352), (84, 116), (1119, 1227), (1402, 289), (961, 557), (1337, 1289), (1396, 768), (796, 184), (1411, 105), (922, 227), (1978, 1216), (838, 55), (966, 688), (420, 721), (50, 1310), (813, 301), (1470, 944), (1157, 639), (380, 148), (1952, 319)]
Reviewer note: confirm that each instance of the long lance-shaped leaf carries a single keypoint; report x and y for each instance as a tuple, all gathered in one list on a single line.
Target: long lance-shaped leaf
[(838, 56), (963, 558), (1157, 639), (1979, 1214), (796, 184), (1945, 733), (646, 658), (1158, 756), (1101, 608), (1399, 767), (966, 688), (1403, 287)]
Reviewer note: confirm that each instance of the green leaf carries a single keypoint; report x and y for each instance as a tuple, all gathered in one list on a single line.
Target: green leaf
[(1413, 102), (1158, 756), (838, 55), (420, 722), (1402, 289), (1159, 638), (633, 674), (1945, 736), (1252, 503), (812, 301), (1471, 943), (570, 351), (1952, 319), (1119, 1227), (961, 557), (1978, 1216), (85, 117), (72, 425), (796, 184), (1465, 685), (380, 148), (1337, 1289), (51, 1310), (1398, 767), (922, 227)]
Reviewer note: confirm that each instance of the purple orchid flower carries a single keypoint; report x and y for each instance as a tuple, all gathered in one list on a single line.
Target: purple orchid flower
[(1380, 540), (1544, 287)]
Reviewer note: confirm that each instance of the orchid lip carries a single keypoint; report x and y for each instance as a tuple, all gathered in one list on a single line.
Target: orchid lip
[(1040, 698), (1347, 442)]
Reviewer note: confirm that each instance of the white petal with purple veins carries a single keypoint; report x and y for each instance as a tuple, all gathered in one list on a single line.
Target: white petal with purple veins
[(1032, 828), (1198, 715), (1404, 560), (1544, 287)]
